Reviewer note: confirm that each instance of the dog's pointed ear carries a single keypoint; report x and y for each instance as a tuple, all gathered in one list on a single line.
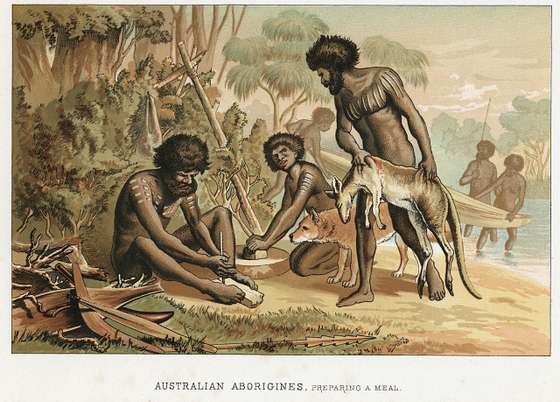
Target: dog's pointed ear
[(314, 215)]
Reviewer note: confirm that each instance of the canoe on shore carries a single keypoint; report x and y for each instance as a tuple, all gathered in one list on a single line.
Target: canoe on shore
[(471, 211)]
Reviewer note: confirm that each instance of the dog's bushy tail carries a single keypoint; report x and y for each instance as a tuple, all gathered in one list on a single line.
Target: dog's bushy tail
[(455, 226)]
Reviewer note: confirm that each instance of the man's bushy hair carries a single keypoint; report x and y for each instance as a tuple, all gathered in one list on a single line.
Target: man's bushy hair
[(333, 52), (323, 114), (182, 152), (487, 145), (292, 141)]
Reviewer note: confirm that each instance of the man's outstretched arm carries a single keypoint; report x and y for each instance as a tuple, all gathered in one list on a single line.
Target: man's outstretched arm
[(141, 200), (191, 211), (344, 138), (287, 216), (490, 188), (343, 135)]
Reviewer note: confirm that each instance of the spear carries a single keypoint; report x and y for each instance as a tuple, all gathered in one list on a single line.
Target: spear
[(309, 342), (485, 118)]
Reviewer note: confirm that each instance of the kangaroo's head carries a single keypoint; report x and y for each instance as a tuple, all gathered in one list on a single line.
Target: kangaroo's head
[(344, 197)]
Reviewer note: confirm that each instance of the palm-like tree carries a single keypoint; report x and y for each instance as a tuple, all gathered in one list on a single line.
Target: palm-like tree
[(275, 63), (409, 63)]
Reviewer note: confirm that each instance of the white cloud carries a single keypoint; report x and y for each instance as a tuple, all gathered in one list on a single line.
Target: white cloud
[(455, 76), (472, 92), (453, 108)]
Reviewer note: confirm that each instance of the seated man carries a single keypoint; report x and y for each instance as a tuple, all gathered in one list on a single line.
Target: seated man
[(146, 204), (304, 189), (322, 119)]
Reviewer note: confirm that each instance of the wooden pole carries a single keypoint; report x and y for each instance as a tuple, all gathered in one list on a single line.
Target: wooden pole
[(171, 77), (222, 140), (485, 118)]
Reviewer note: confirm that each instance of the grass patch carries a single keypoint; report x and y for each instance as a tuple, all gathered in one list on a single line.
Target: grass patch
[(44, 342), (271, 332), (263, 333)]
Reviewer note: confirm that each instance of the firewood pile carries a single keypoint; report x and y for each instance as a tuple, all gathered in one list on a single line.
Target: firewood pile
[(49, 295)]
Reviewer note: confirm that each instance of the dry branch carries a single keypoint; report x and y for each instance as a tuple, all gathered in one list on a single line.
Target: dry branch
[(24, 247)]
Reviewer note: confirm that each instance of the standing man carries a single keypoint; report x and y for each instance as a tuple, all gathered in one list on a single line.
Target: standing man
[(480, 173), (146, 204), (322, 119), (373, 101), (510, 196)]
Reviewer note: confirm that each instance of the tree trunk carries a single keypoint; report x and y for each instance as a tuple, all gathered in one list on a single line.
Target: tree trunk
[(47, 217), (32, 68), (298, 101), (25, 222), (199, 29), (181, 25), (84, 59), (173, 48), (207, 62), (274, 100)]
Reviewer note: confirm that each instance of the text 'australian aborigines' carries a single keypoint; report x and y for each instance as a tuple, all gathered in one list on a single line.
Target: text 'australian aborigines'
[(219, 386)]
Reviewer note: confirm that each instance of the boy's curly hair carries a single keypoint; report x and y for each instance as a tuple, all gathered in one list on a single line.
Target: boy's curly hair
[(333, 51), (182, 152), (292, 141)]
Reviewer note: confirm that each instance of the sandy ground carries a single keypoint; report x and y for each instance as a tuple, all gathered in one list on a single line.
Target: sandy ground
[(511, 319)]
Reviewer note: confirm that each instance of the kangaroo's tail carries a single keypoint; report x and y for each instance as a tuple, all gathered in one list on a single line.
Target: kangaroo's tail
[(455, 226)]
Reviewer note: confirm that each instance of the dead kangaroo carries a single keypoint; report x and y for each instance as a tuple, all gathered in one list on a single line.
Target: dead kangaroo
[(429, 205)]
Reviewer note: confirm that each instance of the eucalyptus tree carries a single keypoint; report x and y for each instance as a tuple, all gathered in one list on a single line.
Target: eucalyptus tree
[(411, 64), (275, 63)]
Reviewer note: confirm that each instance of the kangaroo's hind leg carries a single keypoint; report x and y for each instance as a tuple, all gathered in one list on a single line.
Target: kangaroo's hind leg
[(403, 253), (376, 198), (436, 223), (426, 248), (439, 233), (369, 205)]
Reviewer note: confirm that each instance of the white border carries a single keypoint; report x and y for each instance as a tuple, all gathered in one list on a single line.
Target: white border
[(132, 378)]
